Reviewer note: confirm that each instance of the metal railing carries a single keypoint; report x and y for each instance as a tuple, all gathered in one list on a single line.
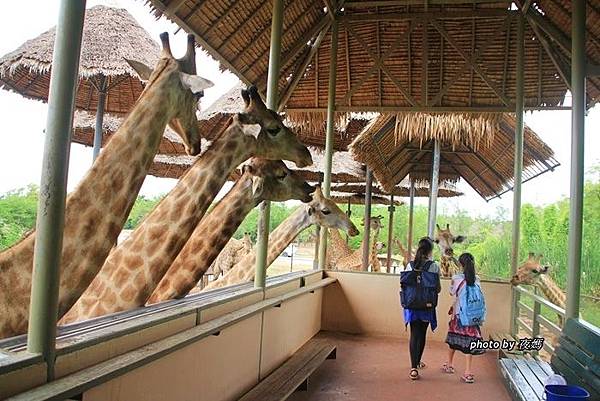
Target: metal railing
[(537, 320)]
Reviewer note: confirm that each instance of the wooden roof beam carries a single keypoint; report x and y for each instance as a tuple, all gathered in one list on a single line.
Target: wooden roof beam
[(387, 72), (378, 62), (384, 3), (299, 73), (430, 108), (473, 65), (470, 62), (330, 9), (475, 175), (485, 163), (429, 15)]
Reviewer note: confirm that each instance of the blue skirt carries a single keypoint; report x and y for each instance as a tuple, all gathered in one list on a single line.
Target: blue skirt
[(425, 315)]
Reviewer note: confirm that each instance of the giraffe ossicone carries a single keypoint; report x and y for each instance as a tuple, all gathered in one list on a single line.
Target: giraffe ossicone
[(445, 240), (97, 208)]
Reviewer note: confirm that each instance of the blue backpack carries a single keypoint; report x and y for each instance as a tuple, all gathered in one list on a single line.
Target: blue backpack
[(472, 306), (418, 288)]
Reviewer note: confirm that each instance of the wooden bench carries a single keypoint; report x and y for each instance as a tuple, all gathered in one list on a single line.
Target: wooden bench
[(577, 357), (524, 376), (294, 373), (504, 353)]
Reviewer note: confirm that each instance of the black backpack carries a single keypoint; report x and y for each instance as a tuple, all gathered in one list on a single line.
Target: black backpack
[(418, 288)]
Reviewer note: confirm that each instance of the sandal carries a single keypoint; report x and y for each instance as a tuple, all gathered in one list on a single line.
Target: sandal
[(468, 378), (421, 365), (414, 374), (447, 368)]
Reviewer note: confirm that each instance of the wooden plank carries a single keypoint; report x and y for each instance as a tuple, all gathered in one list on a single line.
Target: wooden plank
[(288, 377), (584, 337), (515, 382), (534, 382)]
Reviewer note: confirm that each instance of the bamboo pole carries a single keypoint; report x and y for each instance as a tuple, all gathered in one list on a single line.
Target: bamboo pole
[(390, 234), (367, 233), (433, 188), (411, 209), (329, 136), (43, 309), (272, 81), (577, 158), (518, 169)]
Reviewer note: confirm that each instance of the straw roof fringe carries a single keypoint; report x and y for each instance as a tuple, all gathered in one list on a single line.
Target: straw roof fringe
[(445, 191), (109, 36), (357, 199), (489, 169)]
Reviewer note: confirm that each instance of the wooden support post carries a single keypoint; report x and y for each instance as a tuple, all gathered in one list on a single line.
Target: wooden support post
[(411, 209), (272, 81), (577, 158), (433, 191), (390, 234), (329, 135), (367, 233), (518, 170), (99, 117), (47, 252)]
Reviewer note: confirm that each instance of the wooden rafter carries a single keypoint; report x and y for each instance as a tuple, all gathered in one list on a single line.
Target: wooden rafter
[(472, 64), (375, 57), (330, 9), (469, 62), (424, 62), (299, 73), (428, 15)]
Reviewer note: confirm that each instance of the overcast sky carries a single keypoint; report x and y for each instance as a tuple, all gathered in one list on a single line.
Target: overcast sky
[(23, 121)]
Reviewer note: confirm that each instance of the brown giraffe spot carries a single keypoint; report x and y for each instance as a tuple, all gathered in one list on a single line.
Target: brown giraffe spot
[(138, 242), (110, 299), (128, 293), (140, 279), (133, 261)]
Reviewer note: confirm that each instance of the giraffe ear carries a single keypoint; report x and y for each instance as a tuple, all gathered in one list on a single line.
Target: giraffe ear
[(141, 69), (195, 83), (438, 227), (460, 239), (246, 119), (531, 255), (311, 210)]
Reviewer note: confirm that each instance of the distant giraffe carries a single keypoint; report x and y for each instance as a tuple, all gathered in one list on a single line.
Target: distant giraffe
[(445, 239), (531, 272), (354, 260), (321, 211), (233, 252), (406, 254), (98, 207), (261, 180), (337, 248)]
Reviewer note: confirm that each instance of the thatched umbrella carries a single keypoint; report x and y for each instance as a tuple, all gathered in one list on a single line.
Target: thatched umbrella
[(107, 82), (446, 190)]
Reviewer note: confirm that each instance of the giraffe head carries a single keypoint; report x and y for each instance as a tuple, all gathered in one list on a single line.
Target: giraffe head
[(275, 140), (376, 222), (445, 240), (530, 270), (326, 213), (272, 180), (178, 77), (247, 241), (379, 245)]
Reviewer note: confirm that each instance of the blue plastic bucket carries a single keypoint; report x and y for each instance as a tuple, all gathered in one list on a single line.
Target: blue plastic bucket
[(555, 392)]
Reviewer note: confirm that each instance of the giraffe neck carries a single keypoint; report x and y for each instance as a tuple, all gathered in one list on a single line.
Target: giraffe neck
[(95, 212), (134, 268), (338, 247), (205, 243), (551, 290), (279, 239)]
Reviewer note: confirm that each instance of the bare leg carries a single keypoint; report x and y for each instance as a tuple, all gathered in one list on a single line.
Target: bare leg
[(469, 360), (450, 357)]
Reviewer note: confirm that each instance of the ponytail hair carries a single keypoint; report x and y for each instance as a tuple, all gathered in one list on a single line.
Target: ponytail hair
[(467, 261), (423, 251)]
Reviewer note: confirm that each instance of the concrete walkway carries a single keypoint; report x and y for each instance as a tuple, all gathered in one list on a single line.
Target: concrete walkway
[(376, 369)]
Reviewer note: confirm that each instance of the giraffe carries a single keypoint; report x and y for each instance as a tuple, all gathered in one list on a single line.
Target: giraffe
[(232, 253), (531, 272), (133, 269), (406, 254), (261, 180), (98, 207), (445, 239), (320, 210), (354, 260), (337, 247)]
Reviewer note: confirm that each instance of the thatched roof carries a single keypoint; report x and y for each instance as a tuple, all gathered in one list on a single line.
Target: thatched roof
[(344, 170), (397, 145), (399, 34), (358, 199), (309, 127), (109, 36), (84, 125), (445, 190)]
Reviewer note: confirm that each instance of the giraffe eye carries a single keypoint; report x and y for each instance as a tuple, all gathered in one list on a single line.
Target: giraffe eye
[(326, 211), (273, 131), (281, 176)]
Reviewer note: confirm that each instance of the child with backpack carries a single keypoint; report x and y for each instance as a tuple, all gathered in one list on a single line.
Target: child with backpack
[(467, 315), (420, 285)]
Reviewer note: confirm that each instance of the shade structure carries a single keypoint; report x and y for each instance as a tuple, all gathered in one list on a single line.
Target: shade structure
[(309, 127), (84, 125), (346, 170), (477, 148), (447, 56), (447, 190), (358, 199), (109, 36)]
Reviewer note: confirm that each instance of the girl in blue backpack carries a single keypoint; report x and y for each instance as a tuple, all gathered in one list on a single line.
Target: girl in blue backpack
[(461, 336), (420, 319)]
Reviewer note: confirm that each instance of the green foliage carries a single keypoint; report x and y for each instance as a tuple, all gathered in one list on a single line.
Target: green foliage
[(140, 209), (17, 214)]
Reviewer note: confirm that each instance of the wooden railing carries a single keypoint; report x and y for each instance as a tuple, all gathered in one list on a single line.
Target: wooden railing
[(535, 317)]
